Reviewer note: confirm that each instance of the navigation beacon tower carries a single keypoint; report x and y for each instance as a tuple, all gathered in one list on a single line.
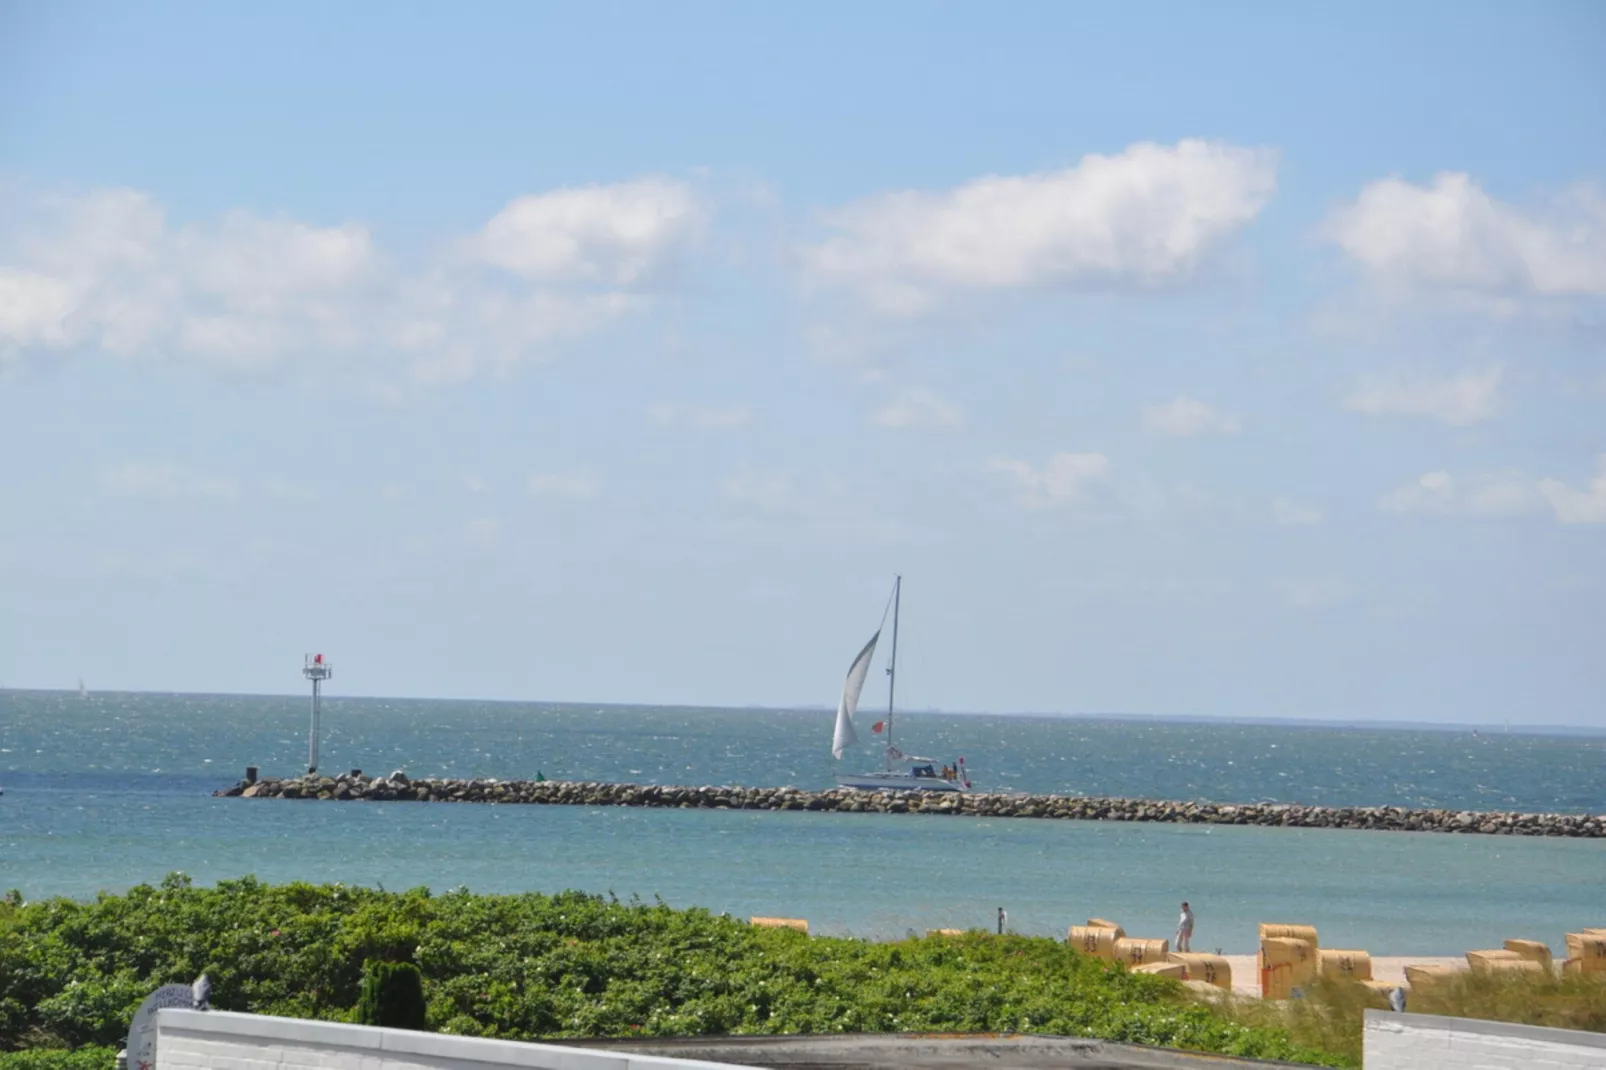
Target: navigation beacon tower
[(316, 669)]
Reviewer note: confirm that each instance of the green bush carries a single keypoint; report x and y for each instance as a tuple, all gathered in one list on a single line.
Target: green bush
[(392, 995), (569, 965), (47, 1059)]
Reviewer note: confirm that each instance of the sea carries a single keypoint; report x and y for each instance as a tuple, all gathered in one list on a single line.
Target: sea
[(105, 791)]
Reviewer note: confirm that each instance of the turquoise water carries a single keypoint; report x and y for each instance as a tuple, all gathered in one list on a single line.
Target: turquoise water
[(109, 791)]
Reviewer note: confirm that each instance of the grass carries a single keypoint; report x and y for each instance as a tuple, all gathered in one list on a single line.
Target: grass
[(1571, 1001), (1330, 1017)]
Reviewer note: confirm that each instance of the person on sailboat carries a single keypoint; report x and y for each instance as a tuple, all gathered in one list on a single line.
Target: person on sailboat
[(923, 775)]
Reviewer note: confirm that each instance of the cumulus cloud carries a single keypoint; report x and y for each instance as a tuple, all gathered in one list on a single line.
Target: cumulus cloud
[(33, 309), (1288, 513), (1185, 417), (108, 271), (1068, 480), (1451, 234), (918, 407), (1585, 506), (1459, 401), (578, 484), (699, 417), (1144, 217), (471, 329), (164, 481), (1506, 493), (616, 235)]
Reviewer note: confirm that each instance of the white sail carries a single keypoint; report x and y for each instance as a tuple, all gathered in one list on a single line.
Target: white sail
[(845, 735)]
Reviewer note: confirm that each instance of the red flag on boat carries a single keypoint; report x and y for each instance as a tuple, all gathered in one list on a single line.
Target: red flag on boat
[(878, 726)]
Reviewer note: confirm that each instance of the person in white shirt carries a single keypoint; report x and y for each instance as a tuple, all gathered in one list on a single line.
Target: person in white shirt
[(1185, 928)]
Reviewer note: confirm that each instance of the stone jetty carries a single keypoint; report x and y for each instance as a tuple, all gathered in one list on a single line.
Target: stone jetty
[(355, 787)]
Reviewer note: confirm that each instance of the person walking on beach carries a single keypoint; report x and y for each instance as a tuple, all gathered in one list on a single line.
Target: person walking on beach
[(1185, 927)]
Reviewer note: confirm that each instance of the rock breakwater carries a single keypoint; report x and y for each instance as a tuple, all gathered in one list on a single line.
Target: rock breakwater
[(354, 787)]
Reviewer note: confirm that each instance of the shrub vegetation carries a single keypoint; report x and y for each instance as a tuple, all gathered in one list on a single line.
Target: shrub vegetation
[(393, 996), (91, 1058), (569, 965)]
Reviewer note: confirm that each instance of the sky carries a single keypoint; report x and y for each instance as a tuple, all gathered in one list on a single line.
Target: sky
[(1229, 360)]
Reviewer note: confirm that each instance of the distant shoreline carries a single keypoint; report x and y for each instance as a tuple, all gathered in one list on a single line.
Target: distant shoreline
[(1337, 725), (354, 787)]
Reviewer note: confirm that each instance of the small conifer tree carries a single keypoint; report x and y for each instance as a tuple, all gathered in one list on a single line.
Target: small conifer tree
[(392, 995)]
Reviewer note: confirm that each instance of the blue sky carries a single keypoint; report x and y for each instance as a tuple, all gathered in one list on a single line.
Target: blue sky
[(1225, 360)]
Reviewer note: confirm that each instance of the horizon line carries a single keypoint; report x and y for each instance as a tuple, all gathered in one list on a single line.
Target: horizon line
[(1501, 727)]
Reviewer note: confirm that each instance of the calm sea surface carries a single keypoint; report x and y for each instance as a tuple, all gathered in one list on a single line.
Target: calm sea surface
[(112, 790)]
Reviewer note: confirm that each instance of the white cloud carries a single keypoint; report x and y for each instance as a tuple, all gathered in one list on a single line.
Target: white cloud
[(1144, 217), (919, 407), (1066, 479), (1453, 235), (1505, 493), (255, 261), (564, 484), (164, 481), (109, 272), (1461, 401), (471, 330), (701, 417), (1285, 512), (1587, 506), (616, 235), (33, 309), (475, 484), (1185, 417)]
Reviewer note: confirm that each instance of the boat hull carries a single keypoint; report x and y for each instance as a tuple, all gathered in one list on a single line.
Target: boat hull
[(897, 782)]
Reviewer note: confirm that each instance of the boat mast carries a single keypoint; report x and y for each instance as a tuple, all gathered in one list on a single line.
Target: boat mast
[(892, 668)]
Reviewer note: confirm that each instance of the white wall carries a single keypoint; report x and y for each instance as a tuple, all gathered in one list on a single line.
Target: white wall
[(1429, 1042), (222, 1040)]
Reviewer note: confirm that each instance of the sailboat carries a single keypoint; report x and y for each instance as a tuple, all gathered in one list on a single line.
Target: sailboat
[(922, 774), (83, 692)]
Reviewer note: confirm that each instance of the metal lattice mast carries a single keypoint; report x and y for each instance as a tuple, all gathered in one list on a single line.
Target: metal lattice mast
[(316, 669)]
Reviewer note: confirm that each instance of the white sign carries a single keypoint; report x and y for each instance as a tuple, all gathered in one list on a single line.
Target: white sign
[(142, 1033)]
